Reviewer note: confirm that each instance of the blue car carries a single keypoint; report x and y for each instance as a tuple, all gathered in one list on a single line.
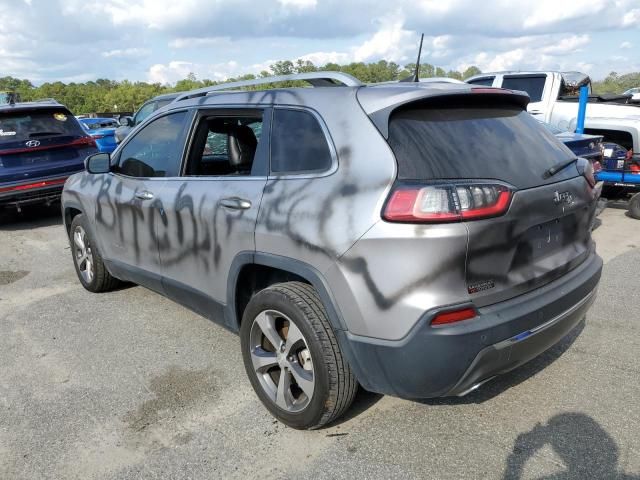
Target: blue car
[(41, 145), (103, 132)]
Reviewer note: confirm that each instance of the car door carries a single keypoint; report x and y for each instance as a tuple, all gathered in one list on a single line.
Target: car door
[(129, 204), (211, 208)]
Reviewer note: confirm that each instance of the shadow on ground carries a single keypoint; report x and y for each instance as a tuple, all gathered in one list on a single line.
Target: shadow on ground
[(585, 448), (30, 216)]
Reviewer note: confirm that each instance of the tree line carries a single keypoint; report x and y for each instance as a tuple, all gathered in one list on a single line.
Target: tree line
[(105, 95)]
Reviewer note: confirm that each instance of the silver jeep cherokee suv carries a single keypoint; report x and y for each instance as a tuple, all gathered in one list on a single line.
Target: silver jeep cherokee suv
[(416, 239)]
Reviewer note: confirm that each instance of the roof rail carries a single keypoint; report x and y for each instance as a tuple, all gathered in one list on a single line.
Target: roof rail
[(316, 79)]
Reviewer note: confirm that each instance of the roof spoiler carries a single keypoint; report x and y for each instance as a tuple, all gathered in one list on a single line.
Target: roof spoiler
[(380, 116)]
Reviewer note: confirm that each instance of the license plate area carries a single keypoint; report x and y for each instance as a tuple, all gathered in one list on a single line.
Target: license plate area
[(545, 238)]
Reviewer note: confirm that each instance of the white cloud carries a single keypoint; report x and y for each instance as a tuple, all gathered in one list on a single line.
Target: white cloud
[(625, 45), (178, 70), (298, 3), (391, 42), (322, 58), (191, 42), (126, 53), (632, 18), (567, 45)]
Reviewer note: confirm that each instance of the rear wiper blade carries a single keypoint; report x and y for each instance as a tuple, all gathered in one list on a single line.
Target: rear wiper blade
[(44, 134), (557, 167)]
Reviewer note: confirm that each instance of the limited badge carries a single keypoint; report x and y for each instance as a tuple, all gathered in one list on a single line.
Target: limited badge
[(480, 286), (61, 117)]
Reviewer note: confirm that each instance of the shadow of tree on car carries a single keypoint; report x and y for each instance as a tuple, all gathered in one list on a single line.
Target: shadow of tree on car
[(585, 448), (30, 217)]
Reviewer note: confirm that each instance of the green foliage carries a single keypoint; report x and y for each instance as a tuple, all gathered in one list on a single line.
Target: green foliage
[(105, 95), (615, 83)]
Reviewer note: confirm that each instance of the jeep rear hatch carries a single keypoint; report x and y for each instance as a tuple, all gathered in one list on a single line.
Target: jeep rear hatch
[(483, 162), (41, 142)]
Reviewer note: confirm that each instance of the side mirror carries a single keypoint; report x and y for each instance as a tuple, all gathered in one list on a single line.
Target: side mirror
[(126, 121), (98, 163)]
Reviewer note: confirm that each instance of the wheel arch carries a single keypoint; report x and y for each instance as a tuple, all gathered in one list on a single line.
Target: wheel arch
[(69, 212), (253, 271)]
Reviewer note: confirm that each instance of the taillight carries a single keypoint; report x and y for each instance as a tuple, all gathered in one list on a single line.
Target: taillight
[(453, 316), (446, 203), (82, 141), (586, 169)]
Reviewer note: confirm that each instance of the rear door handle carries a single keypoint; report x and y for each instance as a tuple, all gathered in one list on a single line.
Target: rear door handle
[(235, 203), (144, 195)]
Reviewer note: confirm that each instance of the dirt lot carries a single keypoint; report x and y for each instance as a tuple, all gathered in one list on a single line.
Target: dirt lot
[(129, 385)]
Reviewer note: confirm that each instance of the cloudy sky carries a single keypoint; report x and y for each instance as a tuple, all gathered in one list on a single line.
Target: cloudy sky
[(164, 40)]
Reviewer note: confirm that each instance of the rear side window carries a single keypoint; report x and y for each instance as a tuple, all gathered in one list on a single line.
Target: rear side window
[(503, 143), (532, 84), (485, 81), (156, 150), (25, 125), (298, 143)]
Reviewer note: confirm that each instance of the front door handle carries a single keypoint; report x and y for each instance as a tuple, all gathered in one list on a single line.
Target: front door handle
[(235, 203), (144, 195)]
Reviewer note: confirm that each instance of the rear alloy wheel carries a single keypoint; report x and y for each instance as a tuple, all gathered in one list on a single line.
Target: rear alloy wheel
[(292, 357), (282, 361)]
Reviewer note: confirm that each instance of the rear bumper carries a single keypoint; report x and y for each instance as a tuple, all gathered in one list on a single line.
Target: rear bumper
[(41, 190), (453, 360)]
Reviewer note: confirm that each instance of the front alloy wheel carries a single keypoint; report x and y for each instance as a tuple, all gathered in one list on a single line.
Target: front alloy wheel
[(82, 254)]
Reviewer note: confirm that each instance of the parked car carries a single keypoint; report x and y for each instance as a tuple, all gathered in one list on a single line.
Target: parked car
[(342, 250), (554, 99), (41, 144), (147, 108), (103, 132), (635, 94)]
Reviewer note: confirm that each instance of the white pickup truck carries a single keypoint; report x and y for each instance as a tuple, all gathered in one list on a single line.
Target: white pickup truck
[(554, 99)]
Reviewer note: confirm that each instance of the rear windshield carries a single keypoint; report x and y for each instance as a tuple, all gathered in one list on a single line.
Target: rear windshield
[(503, 143), (95, 124), (25, 125)]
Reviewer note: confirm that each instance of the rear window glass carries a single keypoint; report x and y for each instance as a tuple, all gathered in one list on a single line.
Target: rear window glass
[(533, 85), (25, 125), (486, 81), (504, 143), (95, 124)]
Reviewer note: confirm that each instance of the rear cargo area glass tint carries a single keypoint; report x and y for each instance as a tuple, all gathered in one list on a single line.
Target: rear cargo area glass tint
[(501, 143), (25, 125)]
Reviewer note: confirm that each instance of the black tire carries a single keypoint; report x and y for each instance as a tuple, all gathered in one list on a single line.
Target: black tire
[(634, 206), (101, 280), (335, 385)]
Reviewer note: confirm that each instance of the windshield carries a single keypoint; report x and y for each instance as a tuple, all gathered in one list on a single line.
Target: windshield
[(25, 125), (502, 143)]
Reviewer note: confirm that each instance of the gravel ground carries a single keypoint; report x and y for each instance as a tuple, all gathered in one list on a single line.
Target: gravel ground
[(130, 385)]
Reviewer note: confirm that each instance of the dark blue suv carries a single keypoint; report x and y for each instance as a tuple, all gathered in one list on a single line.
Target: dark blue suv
[(41, 144)]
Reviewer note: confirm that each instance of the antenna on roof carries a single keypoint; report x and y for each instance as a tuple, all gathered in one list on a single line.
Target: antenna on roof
[(416, 75)]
